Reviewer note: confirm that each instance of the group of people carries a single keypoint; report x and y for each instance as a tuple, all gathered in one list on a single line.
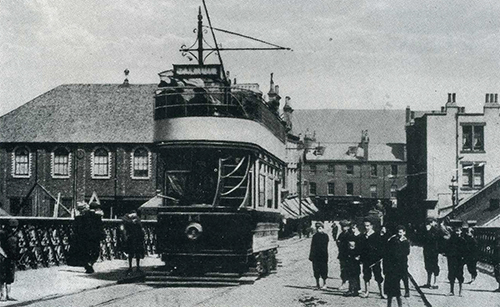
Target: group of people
[(383, 257), (88, 232), (456, 241)]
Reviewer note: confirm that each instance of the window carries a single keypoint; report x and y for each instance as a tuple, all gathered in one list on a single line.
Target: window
[(394, 170), (349, 188), (394, 190), (262, 190), (312, 188), (350, 169), (373, 170), (312, 168), (140, 163), (21, 167), (101, 165), (60, 163), (373, 191), (331, 168), (473, 137), (473, 175), (331, 188)]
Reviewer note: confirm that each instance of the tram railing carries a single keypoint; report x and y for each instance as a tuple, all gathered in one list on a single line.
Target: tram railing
[(488, 240), (44, 242), (186, 101)]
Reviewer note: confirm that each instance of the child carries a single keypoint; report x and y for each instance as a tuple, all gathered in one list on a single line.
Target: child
[(352, 267), (371, 255), (342, 245), (396, 265), (430, 240), (319, 255)]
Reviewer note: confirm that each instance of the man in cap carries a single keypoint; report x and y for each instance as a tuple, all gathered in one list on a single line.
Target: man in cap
[(471, 256), (89, 232), (430, 240), (455, 253), (371, 257), (343, 246), (8, 244), (319, 255)]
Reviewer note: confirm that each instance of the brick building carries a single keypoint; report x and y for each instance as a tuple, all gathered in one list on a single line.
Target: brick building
[(77, 140), (353, 159)]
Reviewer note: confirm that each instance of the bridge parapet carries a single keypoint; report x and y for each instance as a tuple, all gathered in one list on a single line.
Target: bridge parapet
[(44, 242)]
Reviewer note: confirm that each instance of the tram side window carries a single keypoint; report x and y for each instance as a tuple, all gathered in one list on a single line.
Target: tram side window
[(270, 194), (262, 190)]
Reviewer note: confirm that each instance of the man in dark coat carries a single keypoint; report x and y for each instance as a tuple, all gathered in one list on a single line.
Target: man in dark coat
[(133, 239), (371, 257), (396, 265), (471, 256), (9, 253), (319, 255), (430, 240), (455, 251), (342, 245), (89, 232)]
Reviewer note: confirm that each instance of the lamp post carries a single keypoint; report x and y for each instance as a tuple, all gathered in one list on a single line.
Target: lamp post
[(454, 194)]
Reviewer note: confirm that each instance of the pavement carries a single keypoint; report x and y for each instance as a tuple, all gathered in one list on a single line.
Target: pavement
[(45, 284)]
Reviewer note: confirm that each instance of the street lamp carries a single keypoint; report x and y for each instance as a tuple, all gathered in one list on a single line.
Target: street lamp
[(454, 192)]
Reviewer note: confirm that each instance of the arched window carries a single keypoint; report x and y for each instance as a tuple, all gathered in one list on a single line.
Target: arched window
[(60, 165), (100, 165), (21, 162), (140, 163)]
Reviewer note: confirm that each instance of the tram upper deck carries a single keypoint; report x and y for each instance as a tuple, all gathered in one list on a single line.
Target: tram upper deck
[(197, 106)]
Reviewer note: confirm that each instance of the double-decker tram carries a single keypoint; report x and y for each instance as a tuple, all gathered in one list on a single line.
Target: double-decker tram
[(221, 153)]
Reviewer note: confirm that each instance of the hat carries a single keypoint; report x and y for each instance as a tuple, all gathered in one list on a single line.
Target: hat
[(345, 223), (456, 223), (13, 223), (319, 224), (472, 223), (94, 205), (80, 206), (430, 220)]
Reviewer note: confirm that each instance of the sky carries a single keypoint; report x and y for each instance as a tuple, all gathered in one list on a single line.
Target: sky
[(347, 54)]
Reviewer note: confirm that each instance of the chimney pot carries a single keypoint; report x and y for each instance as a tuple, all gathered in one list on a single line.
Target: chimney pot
[(496, 98), (277, 89), (487, 98), (449, 98), (454, 96)]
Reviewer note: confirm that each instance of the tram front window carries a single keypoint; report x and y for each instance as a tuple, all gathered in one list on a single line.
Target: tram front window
[(191, 176)]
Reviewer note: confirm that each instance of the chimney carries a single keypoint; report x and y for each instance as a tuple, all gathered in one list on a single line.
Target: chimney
[(274, 97), (125, 82), (364, 144), (408, 114), (491, 101), (451, 103), (287, 113)]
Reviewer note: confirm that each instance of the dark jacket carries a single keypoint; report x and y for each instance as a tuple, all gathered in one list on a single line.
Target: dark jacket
[(371, 248), (342, 244), (396, 256), (430, 241), (319, 247)]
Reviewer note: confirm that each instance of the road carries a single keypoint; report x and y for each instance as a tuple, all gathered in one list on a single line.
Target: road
[(292, 285)]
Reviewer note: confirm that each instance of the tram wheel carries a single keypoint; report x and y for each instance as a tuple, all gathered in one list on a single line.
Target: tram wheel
[(259, 264)]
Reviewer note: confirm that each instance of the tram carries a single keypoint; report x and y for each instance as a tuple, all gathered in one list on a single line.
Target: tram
[(221, 152)]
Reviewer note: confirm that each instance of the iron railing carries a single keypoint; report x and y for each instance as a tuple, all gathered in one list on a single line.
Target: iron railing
[(44, 242), (218, 101), (488, 240)]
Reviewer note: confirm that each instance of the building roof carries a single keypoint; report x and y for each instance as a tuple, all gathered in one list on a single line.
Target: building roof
[(345, 125), (376, 152), (84, 113)]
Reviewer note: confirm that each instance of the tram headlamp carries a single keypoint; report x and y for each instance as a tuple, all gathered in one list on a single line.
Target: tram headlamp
[(193, 231)]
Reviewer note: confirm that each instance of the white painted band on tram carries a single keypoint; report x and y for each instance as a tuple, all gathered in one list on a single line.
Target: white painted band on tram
[(219, 129)]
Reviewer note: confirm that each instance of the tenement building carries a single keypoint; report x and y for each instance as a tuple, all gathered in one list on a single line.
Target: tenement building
[(353, 159), (453, 160)]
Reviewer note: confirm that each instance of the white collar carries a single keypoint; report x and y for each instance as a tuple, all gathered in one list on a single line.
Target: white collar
[(369, 233)]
